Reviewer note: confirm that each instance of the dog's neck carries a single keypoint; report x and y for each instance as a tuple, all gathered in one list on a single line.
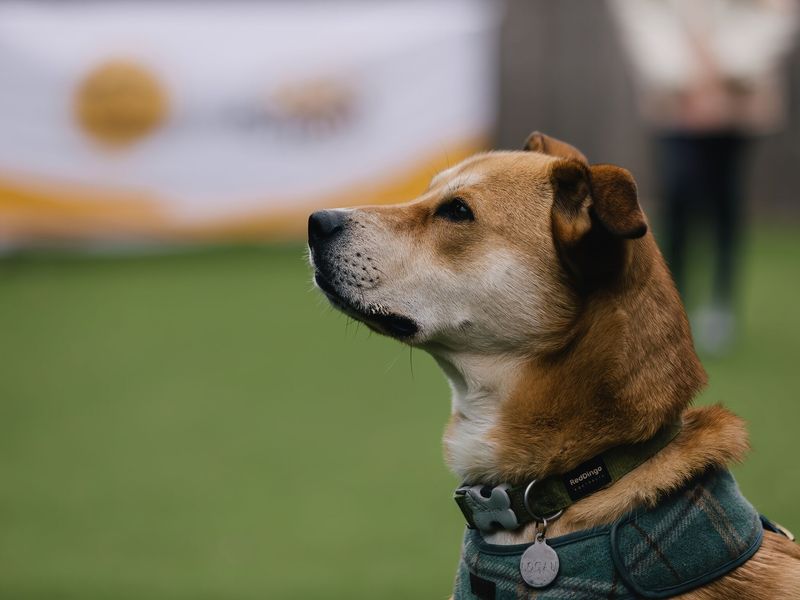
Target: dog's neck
[(626, 368), (479, 384), (623, 368)]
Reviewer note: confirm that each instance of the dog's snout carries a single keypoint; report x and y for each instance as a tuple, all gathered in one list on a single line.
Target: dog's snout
[(324, 224)]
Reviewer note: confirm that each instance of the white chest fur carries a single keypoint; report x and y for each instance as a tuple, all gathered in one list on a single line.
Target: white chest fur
[(479, 385)]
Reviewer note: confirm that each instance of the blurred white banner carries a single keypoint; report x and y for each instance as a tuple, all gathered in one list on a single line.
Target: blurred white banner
[(201, 121)]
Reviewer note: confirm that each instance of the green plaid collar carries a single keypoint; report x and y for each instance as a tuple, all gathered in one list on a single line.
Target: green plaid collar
[(692, 537), (506, 507)]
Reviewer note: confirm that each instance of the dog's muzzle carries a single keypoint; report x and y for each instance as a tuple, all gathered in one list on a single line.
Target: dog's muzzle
[(343, 280)]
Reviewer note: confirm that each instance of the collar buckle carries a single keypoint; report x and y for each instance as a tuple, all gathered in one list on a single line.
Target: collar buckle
[(487, 509)]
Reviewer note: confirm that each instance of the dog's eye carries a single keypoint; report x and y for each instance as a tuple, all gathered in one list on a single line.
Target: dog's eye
[(455, 210)]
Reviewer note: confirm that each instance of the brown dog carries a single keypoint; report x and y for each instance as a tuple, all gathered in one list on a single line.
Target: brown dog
[(532, 280)]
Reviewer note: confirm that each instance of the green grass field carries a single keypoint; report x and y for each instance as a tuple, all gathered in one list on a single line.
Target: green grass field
[(203, 426)]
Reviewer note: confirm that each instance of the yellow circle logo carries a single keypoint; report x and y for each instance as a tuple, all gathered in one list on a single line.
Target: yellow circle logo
[(119, 103)]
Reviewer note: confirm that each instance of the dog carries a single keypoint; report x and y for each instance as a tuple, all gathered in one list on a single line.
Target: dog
[(532, 279)]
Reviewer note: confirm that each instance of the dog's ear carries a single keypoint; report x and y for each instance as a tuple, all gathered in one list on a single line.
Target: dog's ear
[(616, 201), (606, 192), (600, 196), (595, 212), (539, 142)]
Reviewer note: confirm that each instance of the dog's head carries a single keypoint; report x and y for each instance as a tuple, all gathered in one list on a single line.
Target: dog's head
[(531, 278), (494, 257)]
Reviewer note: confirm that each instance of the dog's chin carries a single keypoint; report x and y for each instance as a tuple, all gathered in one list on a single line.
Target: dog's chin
[(372, 315)]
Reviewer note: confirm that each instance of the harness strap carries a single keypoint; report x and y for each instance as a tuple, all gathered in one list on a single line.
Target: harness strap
[(505, 507)]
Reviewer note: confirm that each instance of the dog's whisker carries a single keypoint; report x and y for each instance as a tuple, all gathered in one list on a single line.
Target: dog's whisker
[(391, 365)]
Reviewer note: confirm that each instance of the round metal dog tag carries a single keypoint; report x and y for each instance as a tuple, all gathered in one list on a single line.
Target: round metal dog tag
[(539, 564)]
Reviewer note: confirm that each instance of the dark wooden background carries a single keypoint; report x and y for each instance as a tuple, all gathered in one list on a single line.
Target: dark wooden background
[(563, 72)]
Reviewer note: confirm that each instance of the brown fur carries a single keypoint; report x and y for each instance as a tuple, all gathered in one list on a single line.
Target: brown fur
[(629, 367), (539, 142)]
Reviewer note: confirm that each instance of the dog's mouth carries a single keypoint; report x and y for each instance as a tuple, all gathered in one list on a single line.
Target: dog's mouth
[(372, 315)]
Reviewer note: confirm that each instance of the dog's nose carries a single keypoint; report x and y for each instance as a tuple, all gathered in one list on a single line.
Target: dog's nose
[(324, 224)]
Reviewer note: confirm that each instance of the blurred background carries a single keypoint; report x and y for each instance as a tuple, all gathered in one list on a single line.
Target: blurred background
[(182, 416)]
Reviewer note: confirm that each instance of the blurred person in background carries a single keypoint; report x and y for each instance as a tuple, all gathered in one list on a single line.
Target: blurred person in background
[(709, 78)]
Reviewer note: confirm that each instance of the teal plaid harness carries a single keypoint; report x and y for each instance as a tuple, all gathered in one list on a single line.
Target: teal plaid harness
[(691, 538)]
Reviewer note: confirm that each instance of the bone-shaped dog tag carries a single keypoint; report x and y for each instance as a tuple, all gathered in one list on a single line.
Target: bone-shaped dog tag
[(494, 511)]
